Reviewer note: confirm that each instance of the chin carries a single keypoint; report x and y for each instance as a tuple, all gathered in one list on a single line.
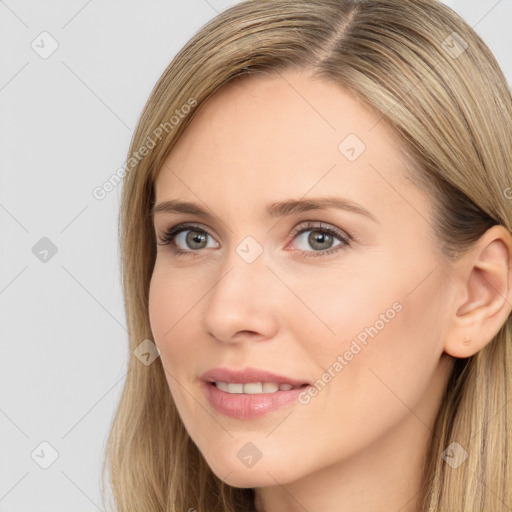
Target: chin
[(245, 478), (261, 474)]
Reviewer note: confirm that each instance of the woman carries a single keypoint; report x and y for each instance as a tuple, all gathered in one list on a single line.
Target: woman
[(374, 136)]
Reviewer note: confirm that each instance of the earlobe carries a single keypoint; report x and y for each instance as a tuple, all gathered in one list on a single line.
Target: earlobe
[(485, 283)]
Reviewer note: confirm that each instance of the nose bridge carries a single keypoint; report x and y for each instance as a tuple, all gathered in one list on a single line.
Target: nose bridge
[(244, 267), (239, 299)]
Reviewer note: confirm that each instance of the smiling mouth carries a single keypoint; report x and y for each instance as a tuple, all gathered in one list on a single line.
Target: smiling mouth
[(254, 388)]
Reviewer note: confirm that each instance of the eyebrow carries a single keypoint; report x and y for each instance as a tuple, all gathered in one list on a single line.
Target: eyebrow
[(273, 210)]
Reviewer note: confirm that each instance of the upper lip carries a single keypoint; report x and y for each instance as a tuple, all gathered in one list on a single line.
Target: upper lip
[(248, 374)]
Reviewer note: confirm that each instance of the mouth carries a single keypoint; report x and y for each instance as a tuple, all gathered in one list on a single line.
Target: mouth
[(254, 388), (251, 400), (250, 381), (248, 393)]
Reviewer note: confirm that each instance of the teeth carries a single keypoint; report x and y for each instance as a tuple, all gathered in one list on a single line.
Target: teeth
[(235, 388), (223, 386), (253, 388), (269, 387)]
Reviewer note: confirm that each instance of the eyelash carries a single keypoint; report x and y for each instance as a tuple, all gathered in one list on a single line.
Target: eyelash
[(171, 233)]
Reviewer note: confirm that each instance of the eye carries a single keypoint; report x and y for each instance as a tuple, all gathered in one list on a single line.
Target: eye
[(320, 238), (186, 238)]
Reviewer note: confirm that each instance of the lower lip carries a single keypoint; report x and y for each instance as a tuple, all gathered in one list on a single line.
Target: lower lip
[(245, 406)]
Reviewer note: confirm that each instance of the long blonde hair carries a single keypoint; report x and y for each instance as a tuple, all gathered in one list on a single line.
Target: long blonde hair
[(431, 78)]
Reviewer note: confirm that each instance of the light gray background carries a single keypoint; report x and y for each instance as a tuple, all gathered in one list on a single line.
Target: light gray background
[(65, 128)]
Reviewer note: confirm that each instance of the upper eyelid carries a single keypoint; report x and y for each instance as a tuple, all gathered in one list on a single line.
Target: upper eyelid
[(322, 226), (186, 226)]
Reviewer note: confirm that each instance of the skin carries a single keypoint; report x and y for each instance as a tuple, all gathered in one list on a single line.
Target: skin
[(360, 444)]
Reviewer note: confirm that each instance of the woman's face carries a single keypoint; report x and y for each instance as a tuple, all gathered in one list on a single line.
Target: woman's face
[(265, 283)]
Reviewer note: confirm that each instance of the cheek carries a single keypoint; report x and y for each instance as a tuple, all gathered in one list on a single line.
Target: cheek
[(387, 332), (170, 305), (387, 360), (169, 302), (160, 314), (172, 294), (337, 307)]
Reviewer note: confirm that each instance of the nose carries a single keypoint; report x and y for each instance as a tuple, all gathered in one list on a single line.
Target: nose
[(243, 302)]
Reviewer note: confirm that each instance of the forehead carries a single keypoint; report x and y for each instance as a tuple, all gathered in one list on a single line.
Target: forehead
[(280, 136)]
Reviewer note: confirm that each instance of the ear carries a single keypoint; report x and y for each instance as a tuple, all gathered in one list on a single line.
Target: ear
[(483, 295)]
